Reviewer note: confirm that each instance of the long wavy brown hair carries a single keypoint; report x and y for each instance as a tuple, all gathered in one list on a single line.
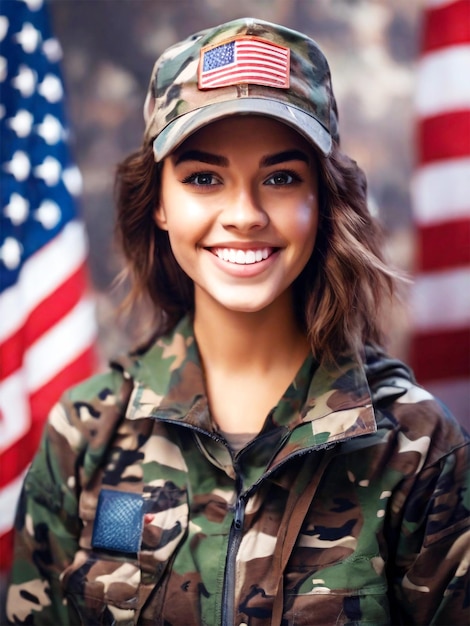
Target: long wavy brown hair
[(338, 296)]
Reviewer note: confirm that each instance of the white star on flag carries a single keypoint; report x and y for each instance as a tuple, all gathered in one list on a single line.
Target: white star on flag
[(25, 81), (21, 123), (51, 130), (17, 209), (19, 166), (51, 88), (28, 38)]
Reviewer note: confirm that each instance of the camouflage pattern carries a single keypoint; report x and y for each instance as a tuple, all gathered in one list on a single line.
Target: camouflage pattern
[(350, 507), (175, 107)]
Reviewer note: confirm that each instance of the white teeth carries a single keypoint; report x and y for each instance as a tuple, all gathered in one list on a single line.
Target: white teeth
[(250, 257), (242, 257)]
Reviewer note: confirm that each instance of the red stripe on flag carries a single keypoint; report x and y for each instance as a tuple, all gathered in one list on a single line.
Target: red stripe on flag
[(15, 459), (444, 245), (444, 136), (448, 25), (441, 355), (45, 316), (74, 372), (6, 550)]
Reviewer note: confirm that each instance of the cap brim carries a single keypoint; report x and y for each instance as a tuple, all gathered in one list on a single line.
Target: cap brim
[(182, 127)]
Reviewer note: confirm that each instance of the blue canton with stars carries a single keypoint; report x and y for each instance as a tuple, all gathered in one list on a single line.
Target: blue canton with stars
[(219, 57), (38, 180)]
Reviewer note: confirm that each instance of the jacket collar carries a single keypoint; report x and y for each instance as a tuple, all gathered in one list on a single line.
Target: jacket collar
[(169, 385)]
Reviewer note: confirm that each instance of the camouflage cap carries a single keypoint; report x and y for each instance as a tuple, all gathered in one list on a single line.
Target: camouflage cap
[(247, 66)]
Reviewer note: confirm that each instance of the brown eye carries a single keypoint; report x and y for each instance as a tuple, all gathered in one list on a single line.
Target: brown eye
[(201, 179), (283, 178)]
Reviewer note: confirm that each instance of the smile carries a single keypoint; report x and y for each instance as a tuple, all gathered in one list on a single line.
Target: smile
[(243, 257)]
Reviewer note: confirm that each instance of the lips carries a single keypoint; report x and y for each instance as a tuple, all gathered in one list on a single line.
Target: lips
[(243, 257)]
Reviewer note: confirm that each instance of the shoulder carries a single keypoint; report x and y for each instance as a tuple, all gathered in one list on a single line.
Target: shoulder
[(90, 412), (99, 393), (84, 419), (410, 415)]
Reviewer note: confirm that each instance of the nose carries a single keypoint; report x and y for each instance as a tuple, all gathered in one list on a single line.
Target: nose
[(244, 212)]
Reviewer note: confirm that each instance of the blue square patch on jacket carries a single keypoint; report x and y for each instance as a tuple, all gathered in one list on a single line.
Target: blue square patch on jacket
[(118, 522)]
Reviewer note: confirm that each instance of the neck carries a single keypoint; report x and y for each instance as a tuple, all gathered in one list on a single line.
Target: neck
[(249, 359), (247, 342)]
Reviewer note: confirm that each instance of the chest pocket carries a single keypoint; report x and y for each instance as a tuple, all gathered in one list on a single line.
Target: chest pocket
[(125, 550)]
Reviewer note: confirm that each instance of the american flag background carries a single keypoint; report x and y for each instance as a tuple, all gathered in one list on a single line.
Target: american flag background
[(47, 320), (440, 349), (244, 60)]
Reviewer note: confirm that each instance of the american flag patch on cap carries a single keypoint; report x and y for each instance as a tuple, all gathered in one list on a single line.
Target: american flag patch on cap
[(244, 60)]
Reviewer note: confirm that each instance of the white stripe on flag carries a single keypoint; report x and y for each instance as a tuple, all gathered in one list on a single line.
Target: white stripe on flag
[(441, 300), (441, 191), (443, 81), (46, 358), (14, 409), (61, 345), (41, 275)]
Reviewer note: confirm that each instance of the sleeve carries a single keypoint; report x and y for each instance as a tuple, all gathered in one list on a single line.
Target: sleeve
[(431, 571), (47, 527)]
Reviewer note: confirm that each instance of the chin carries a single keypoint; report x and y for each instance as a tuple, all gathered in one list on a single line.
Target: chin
[(250, 306)]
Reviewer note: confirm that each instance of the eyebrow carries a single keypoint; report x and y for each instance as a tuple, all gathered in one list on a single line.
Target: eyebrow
[(282, 157), (204, 157), (215, 159)]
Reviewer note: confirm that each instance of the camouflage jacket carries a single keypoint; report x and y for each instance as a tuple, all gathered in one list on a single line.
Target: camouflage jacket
[(348, 508)]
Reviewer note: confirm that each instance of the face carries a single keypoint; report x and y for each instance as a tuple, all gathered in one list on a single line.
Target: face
[(239, 200)]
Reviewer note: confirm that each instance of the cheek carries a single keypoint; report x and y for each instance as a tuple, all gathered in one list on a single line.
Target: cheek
[(303, 221), (184, 211)]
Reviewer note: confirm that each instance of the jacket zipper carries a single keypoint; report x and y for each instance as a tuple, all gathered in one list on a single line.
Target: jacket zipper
[(236, 529), (234, 540)]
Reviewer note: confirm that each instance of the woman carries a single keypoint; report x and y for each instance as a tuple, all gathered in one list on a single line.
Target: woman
[(262, 461)]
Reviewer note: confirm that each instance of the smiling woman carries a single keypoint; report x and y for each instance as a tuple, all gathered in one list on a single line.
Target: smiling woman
[(261, 460), (221, 203), (222, 200)]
